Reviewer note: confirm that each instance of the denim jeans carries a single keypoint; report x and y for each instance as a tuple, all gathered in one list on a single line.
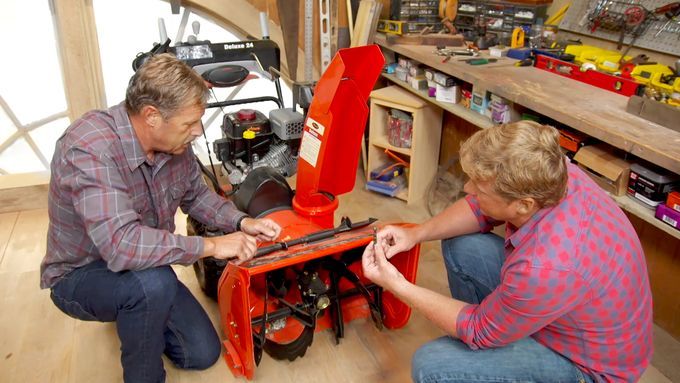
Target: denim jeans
[(473, 264), (155, 314)]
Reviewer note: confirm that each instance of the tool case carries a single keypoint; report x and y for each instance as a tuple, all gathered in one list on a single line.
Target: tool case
[(572, 140), (650, 184)]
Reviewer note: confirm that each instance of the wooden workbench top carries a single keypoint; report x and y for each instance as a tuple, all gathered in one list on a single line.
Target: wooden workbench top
[(594, 111)]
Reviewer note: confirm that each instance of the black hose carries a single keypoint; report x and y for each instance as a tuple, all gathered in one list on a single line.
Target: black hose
[(211, 176)]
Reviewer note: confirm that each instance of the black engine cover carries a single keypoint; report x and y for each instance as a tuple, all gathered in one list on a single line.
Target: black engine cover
[(264, 190)]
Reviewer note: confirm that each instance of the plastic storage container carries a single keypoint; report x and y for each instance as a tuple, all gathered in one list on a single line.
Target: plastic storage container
[(399, 129), (651, 185)]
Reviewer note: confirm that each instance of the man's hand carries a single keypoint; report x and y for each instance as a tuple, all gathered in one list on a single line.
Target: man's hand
[(378, 269), (237, 246), (397, 239), (264, 229)]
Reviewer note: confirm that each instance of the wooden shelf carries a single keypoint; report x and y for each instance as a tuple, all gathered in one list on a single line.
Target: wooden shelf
[(383, 144), (456, 109), (596, 112), (645, 150), (625, 202), (646, 214), (425, 138)]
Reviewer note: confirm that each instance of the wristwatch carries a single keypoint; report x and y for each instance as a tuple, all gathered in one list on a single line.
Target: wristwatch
[(238, 223)]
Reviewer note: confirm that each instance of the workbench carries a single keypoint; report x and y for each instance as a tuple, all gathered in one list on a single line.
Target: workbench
[(596, 112)]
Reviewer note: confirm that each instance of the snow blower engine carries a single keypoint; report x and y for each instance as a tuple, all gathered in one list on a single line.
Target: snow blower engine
[(249, 138)]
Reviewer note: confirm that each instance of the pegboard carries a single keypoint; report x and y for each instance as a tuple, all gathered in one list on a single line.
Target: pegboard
[(578, 19)]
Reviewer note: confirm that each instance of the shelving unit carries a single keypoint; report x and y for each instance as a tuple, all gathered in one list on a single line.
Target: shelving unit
[(423, 155), (498, 16), (466, 114), (625, 202), (419, 14), (596, 113)]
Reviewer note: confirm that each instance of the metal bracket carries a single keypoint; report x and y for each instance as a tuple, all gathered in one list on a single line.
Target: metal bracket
[(309, 39), (174, 6), (325, 33)]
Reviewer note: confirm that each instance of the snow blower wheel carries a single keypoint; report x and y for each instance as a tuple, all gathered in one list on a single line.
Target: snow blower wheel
[(208, 270)]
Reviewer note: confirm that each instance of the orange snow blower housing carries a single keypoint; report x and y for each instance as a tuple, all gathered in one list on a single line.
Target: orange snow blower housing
[(311, 278)]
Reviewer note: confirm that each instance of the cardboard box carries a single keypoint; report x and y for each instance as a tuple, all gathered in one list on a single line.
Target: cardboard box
[(606, 169), (416, 71), (401, 73), (480, 100), (418, 82), (673, 200), (443, 79), (450, 94), (668, 215)]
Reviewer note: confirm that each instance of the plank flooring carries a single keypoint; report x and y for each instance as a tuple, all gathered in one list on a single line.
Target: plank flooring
[(40, 344)]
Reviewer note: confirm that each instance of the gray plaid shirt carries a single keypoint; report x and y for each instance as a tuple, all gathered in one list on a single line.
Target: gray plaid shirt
[(108, 201)]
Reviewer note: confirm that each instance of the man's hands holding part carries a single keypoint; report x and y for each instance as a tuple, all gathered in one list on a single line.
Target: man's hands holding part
[(391, 240), (238, 246), (242, 245), (397, 239), (264, 229), (377, 268)]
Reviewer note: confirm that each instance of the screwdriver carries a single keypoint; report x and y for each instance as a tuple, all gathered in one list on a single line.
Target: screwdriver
[(526, 62), (480, 61)]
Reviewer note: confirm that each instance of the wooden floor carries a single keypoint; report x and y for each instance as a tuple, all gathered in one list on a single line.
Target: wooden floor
[(40, 344)]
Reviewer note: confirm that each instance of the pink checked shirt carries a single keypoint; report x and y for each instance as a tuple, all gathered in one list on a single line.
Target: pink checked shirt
[(575, 279), (108, 201)]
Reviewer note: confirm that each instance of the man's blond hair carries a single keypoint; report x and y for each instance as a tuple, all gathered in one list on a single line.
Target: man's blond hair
[(167, 84), (521, 160)]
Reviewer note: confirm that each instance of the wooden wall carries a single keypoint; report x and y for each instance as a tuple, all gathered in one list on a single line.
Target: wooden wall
[(455, 130)]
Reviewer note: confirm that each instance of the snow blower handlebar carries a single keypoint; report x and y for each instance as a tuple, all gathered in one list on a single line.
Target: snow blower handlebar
[(345, 225)]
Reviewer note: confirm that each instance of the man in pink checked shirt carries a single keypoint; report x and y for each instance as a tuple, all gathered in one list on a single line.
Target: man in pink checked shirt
[(564, 297), (118, 177)]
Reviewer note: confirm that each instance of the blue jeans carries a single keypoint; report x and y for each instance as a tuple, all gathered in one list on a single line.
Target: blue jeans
[(155, 314), (473, 265)]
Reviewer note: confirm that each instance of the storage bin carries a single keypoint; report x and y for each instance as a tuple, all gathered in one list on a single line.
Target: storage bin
[(399, 129)]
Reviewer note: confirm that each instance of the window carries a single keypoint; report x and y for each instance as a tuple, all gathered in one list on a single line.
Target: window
[(33, 110)]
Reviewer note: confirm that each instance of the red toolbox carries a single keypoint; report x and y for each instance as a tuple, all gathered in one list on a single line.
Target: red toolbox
[(571, 140), (616, 84)]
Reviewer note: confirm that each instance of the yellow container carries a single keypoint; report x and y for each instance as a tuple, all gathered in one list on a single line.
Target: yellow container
[(605, 60), (668, 89), (609, 62), (584, 53), (643, 73)]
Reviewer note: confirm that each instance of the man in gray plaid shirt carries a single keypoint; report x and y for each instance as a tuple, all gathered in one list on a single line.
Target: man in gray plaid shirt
[(118, 177)]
